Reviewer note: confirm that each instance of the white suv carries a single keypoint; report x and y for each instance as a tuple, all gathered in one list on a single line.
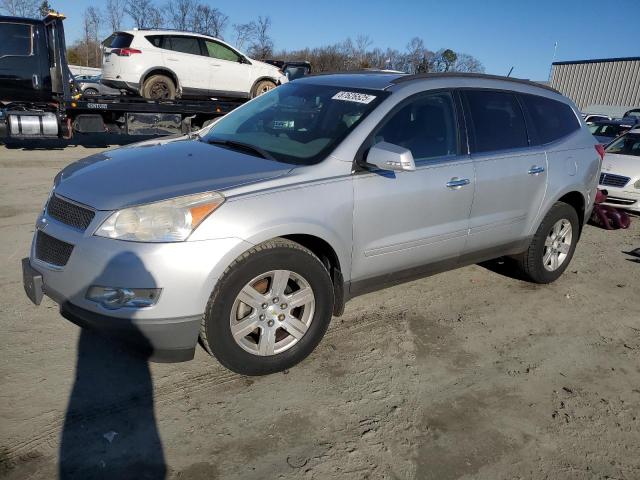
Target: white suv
[(164, 64)]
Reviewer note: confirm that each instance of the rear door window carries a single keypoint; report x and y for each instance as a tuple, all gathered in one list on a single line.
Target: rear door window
[(182, 44), (222, 52), (17, 39), (552, 120), (497, 121)]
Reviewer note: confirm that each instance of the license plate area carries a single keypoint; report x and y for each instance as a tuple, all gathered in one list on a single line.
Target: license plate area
[(32, 282)]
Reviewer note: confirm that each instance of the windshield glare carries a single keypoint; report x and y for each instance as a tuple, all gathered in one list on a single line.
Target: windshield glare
[(297, 123), (628, 144)]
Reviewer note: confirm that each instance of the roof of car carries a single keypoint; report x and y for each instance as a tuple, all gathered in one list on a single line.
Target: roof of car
[(381, 79), (164, 31)]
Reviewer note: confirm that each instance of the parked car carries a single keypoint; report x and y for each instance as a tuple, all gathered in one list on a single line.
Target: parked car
[(254, 234), (635, 112), (593, 117), (292, 69), (606, 130), (164, 64), (94, 86), (621, 171)]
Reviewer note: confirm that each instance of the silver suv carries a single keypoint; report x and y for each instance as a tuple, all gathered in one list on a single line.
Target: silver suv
[(251, 236)]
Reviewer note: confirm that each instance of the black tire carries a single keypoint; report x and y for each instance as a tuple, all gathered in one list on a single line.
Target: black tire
[(159, 87), (90, 91), (263, 86), (276, 254), (530, 263)]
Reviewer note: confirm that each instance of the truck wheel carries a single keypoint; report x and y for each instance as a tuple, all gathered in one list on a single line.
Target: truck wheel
[(263, 86), (552, 247), (269, 310), (90, 91), (159, 87)]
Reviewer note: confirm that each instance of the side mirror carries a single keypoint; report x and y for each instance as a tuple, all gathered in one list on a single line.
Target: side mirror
[(387, 156)]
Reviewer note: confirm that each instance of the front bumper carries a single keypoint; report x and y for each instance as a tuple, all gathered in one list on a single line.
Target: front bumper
[(627, 198), (186, 272)]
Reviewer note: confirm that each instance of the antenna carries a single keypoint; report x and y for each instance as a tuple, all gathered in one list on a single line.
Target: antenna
[(555, 49), (509, 74)]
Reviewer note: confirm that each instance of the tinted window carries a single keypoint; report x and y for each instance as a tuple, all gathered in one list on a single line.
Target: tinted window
[(120, 40), (497, 120), (217, 50), (628, 144), (16, 39), (426, 126), (552, 120), (155, 40), (182, 44), (606, 129)]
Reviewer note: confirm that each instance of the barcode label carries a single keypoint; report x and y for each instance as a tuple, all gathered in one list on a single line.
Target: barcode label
[(354, 97)]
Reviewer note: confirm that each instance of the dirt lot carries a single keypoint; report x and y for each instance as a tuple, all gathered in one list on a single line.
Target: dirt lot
[(468, 374)]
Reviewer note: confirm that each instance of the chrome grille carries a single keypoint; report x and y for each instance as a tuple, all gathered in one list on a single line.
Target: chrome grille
[(69, 213), (51, 250), (611, 180)]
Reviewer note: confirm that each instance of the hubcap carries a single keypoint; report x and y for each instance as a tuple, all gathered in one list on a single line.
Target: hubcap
[(557, 245), (272, 312)]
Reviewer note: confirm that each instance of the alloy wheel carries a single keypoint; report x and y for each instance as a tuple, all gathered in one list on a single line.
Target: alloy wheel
[(557, 245)]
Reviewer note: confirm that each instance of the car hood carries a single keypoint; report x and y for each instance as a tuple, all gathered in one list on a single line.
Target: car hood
[(147, 173), (627, 165)]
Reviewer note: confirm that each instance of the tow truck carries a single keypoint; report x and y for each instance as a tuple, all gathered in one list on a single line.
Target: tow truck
[(38, 98)]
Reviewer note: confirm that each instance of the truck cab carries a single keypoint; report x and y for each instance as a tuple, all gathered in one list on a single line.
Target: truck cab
[(25, 73)]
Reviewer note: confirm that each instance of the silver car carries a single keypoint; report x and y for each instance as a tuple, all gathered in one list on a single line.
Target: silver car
[(251, 236)]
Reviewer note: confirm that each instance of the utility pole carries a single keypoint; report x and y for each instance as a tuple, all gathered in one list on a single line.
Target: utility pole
[(555, 49)]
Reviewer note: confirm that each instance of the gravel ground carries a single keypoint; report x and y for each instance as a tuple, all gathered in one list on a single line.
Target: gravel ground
[(467, 374)]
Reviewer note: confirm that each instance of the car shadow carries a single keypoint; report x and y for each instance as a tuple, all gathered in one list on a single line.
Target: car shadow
[(505, 266), (110, 428), (633, 253)]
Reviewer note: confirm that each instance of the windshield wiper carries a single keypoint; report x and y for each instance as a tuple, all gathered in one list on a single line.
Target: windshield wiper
[(232, 144)]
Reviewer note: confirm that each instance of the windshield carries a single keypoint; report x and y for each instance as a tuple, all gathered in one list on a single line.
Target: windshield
[(606, 130), (628, 144), (297, 123)]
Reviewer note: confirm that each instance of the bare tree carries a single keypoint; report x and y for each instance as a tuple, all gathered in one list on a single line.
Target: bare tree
[(20, 8), (44, 8), (144, 14), (181, 12), (417, 54), (244, 33), (262, 45), (468, 63), (363, 42), (95, 18), (209, 21), (115, 14)]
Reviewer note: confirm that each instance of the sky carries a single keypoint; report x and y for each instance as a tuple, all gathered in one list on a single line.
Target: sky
[(500, 33)]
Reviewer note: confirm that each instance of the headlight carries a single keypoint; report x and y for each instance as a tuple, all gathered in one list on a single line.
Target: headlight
[(166, 221)]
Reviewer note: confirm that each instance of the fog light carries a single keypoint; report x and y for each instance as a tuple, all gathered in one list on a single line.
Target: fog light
[(118, 297)]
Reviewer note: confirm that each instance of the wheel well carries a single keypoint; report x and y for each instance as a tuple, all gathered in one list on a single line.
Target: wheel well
[(576, 200), (329, 258), (272, 80), (160, 71)]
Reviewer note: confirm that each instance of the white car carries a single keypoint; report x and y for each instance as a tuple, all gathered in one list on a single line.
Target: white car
[(164, 64), (620, 174)]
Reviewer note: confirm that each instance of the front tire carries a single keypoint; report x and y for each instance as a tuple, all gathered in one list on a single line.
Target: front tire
[(90, 91), (269, 310), (263, 86), (553, 245)]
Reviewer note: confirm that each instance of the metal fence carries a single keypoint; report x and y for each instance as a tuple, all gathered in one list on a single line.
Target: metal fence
[(611, 81)]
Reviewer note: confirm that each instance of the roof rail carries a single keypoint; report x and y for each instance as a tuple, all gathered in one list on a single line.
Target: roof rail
[(355, 72), (424, 76)]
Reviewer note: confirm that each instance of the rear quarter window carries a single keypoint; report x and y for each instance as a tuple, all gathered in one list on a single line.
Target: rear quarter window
[(16, 39), (497, 121), (551, 119)]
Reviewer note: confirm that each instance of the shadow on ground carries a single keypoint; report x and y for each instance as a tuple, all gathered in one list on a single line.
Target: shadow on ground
[(92, 140), (110, 429)]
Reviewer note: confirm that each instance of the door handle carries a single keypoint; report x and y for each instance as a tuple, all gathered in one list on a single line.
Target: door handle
[(35, 81), (214, 64), (456, 183), (535, 170)]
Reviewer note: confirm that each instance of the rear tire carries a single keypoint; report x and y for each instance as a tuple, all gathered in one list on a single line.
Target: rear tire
[(274, 329), (552, 246), (159, 87), (90, 91), (263, 86)]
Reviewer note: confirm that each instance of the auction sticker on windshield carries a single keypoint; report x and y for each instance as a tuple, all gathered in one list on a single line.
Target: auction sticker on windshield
[(354, 97)]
